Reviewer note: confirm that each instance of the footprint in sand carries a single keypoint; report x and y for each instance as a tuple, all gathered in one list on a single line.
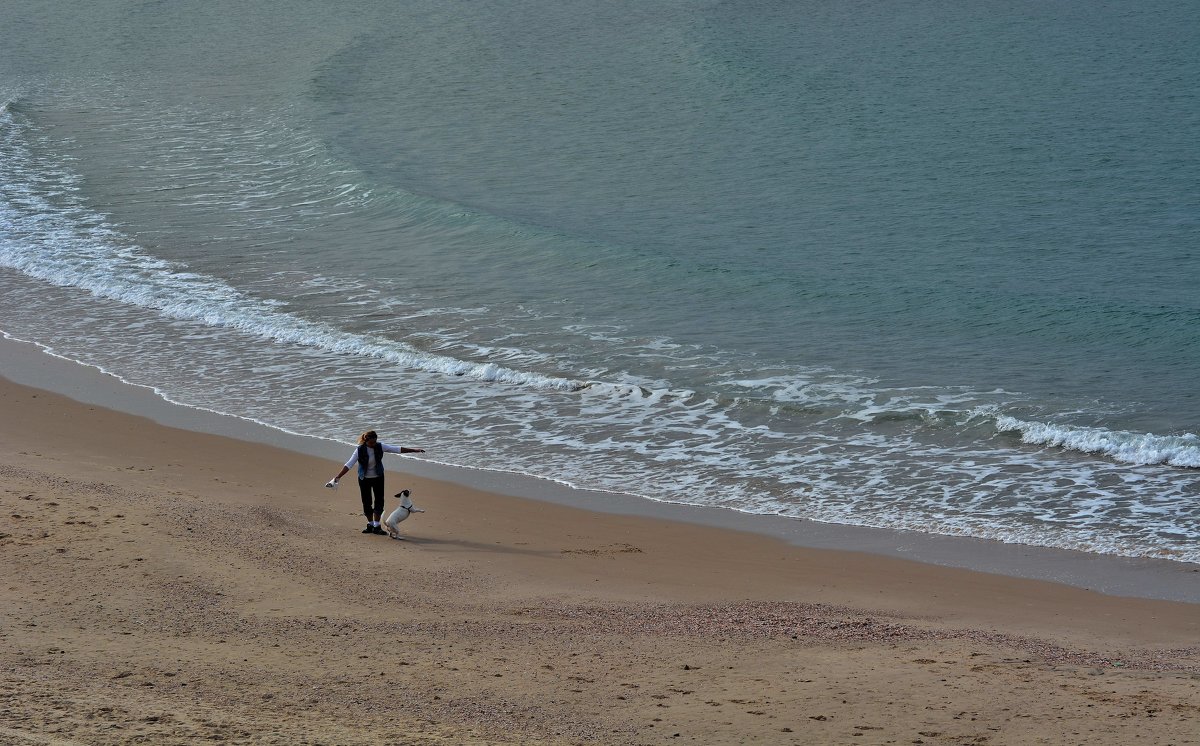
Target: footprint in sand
[(609, 549)]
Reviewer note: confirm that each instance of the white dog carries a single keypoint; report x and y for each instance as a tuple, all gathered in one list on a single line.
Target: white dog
[(392, 524)]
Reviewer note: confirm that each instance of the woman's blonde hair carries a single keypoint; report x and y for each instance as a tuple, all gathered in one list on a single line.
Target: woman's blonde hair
[(362, 439)]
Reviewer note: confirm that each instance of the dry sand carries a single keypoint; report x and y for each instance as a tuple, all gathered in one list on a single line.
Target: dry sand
[(163, 586)]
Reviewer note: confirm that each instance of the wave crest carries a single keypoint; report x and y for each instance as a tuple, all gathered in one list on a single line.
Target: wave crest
[(1119, 445)]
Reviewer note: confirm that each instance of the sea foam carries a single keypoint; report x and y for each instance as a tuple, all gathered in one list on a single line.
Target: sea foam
[(1126, 447), (63, 243)]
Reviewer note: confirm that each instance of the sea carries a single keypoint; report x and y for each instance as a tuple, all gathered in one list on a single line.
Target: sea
[(924, 265)]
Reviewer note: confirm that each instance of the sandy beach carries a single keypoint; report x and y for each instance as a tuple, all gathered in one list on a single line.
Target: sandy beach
[(786, 373), (166, 586)]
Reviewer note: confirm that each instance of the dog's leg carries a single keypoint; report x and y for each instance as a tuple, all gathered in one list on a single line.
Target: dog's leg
[(393, 522), (394, 532)]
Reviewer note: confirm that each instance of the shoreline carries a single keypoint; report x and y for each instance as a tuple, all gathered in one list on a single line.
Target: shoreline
[(28, 364), (170, 586)]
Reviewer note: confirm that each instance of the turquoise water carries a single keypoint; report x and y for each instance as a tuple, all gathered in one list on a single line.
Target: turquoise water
[(930, 269)]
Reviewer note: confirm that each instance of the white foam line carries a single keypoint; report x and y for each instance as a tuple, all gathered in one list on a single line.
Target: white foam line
[(162, 395), (97, 265), (1123, 446)]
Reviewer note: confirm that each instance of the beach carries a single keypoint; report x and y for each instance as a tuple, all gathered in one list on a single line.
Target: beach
[(785, 374), (169, 586)]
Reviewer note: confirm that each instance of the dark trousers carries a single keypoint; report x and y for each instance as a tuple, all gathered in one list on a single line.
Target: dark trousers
[(371, 487)]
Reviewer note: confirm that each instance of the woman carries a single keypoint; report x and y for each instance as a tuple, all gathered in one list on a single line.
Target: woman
[(369, 457)]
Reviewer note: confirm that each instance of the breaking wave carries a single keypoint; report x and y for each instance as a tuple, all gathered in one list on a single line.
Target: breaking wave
[(1123, 446)]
